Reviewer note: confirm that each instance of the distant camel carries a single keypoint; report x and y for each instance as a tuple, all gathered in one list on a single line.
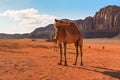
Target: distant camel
[(66, 33)]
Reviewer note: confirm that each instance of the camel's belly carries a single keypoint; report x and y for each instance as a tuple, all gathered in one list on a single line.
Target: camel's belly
[(69, 41)]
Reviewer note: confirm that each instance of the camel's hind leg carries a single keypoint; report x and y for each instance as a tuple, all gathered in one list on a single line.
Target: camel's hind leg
[(65, 63), (77, 53), (81, 54)]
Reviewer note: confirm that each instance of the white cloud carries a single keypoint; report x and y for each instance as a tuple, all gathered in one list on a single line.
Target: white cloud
[(29, 19)]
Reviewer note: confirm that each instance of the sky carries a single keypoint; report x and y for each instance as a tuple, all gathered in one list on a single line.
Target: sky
[(23, 16)]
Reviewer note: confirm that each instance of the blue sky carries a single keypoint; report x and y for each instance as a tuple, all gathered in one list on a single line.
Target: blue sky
[(22, 16)]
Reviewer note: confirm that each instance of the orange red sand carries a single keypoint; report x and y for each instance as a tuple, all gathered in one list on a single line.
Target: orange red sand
[(24, 59)]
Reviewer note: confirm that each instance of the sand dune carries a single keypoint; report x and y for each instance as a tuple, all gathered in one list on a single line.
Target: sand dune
[(24, 59)]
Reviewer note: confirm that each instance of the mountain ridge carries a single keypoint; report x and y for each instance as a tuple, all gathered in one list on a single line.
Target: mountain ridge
[(104, 24)]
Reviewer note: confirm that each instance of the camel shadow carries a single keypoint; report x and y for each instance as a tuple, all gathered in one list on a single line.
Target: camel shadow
[(115, 74), (109, 72), (106, 71)]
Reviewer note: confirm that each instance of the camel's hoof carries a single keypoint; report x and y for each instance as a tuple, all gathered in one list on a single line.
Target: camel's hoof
[(81, 64), (65, 64), (74, 64), (59, 63)]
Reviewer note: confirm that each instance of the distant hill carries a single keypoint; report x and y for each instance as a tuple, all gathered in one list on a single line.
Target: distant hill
[(104, 24), (43, 32), (117, 36), (14, 36)]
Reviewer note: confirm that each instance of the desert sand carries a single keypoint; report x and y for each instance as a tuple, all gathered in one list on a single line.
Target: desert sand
[(24, 59)]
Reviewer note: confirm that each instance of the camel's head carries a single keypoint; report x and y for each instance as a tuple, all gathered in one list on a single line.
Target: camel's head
[(61, 23)]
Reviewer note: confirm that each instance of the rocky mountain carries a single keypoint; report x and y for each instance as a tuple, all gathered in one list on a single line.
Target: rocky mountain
[(104, 24), (43, 32), (108, 18)]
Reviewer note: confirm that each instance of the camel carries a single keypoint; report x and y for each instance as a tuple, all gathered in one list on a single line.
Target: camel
[(67, 33)]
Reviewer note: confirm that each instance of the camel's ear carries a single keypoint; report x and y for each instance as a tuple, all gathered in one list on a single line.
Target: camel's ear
[(56, 20)]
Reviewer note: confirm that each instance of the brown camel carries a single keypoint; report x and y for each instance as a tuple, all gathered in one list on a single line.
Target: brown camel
[(66, 33)]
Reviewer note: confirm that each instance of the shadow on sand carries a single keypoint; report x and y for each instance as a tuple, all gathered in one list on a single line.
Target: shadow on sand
[(106, 71), (109, 72)]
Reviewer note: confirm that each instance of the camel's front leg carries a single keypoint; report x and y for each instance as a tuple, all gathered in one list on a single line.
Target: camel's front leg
[(65, 63), (60, 63)]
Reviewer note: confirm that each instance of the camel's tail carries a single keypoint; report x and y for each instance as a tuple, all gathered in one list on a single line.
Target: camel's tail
[(55, 47)]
